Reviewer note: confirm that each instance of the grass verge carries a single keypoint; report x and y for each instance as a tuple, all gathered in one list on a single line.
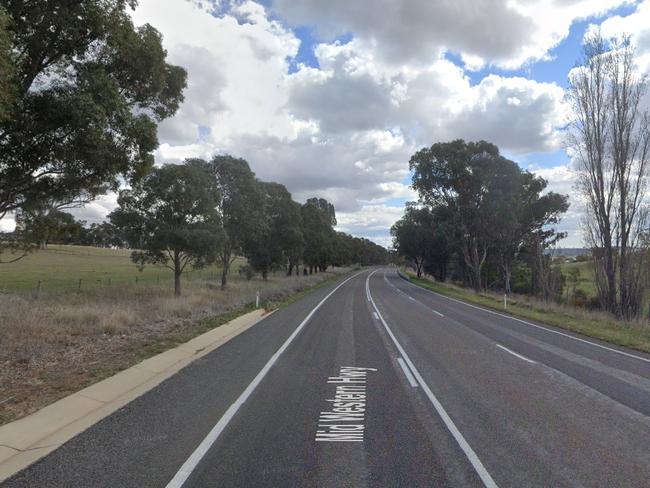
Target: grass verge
[(592, 324), (56, 345)]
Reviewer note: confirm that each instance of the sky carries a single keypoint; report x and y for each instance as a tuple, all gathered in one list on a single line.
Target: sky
[(331, 98)]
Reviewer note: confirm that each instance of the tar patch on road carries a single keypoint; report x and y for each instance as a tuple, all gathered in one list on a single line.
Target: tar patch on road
[(344, 420)]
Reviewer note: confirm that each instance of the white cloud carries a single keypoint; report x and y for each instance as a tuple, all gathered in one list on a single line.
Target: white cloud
[(637, 26), (506, 33), (371, 221), (562, 179)]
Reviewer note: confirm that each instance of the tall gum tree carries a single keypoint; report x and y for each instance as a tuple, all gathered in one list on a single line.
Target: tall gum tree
[(88, 89), (240, 207), (171, 218)]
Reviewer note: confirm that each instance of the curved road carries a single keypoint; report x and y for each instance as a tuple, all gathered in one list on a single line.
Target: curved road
[(377, 382)]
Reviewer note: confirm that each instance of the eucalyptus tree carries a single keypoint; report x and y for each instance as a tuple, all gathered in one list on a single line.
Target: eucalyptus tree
[(318, 217), (241, 207), (279, 236), (171, 218), (484, 204), (81, 92), (456, 174), (413, 236)]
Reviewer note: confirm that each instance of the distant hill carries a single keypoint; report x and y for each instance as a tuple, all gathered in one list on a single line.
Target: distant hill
[(569, 252)]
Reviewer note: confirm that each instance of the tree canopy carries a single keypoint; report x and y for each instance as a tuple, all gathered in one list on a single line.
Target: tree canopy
[(82, 92), (171, 218), (477, 205)]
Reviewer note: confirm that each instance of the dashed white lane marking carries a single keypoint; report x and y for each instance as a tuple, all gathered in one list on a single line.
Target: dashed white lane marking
[(515, 354), (407, 373), (188, 466), (410, 297), (486, 478), (532, 325)]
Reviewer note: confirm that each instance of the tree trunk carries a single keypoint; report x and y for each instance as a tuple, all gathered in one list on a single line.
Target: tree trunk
[(177, 274), (476, 267), (418, 268), (225, 265), (507, 274)]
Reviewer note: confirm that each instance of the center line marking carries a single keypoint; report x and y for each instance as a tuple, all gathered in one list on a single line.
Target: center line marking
[(407, 373), (410, 297), (486, 478), (515, 354)]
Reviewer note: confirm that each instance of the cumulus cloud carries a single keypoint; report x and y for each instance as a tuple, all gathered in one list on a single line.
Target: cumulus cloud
[(353, 93), (506, 33), (562, 179), (371, 222)]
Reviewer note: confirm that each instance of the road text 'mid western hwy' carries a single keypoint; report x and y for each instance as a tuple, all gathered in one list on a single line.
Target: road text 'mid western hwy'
[(345, 419)]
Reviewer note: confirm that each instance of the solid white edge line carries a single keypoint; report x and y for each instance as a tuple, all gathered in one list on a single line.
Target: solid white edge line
[(516, 354), (376, 316), (466, 448), (407, 373), (190, 464), (530, 323)]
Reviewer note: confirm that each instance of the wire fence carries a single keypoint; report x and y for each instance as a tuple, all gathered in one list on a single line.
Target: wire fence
[(53, 284)]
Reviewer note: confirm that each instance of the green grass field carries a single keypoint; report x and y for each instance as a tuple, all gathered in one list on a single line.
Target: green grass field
[(586, 279), (60, 268)]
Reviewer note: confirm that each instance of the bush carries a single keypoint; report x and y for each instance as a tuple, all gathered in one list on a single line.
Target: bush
[(593, 303), (579, 299), (247, 271)]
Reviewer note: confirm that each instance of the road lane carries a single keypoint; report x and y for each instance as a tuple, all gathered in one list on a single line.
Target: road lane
[(531, 425), (144, 443), (271, 442), (618, 357), (623, 377)]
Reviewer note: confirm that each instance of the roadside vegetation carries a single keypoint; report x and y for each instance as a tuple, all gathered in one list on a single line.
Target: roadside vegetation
[(481, 222), (60, 343)]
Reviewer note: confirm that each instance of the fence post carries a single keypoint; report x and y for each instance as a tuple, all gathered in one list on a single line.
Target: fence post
[(136, 280), (38, 289), (505, 301), (79, 284), (257, 299)]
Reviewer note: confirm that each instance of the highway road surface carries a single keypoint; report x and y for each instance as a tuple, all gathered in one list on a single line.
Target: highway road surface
[(371, 382)]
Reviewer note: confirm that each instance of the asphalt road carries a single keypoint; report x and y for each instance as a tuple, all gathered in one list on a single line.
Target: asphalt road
[(376, 382)]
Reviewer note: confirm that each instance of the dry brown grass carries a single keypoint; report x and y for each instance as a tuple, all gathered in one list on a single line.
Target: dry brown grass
[(60, 343)]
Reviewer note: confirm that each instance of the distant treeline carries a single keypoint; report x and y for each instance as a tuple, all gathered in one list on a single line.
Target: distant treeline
[(201, 212)]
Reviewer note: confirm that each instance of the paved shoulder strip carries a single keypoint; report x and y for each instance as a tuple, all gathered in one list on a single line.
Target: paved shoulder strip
[(486, 478), (188, 467)]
